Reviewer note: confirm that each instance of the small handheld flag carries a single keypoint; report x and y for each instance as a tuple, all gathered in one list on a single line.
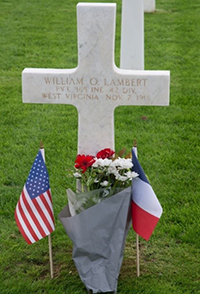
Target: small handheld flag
[(146, 209), (34, 211)]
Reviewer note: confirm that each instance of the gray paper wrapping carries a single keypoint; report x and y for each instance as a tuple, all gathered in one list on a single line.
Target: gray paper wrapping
[(98, 235)]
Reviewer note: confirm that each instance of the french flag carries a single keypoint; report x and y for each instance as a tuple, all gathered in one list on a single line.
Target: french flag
[(146, 209)]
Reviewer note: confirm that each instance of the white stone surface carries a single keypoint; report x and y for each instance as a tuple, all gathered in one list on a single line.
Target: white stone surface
[(149, 5), (96, 86), (132, 35)]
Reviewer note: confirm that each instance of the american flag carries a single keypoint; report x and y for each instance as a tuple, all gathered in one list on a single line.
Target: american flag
[(34, 211)]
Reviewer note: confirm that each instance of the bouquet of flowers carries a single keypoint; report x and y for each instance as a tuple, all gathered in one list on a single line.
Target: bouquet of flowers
[(96, 223), (99, 177)]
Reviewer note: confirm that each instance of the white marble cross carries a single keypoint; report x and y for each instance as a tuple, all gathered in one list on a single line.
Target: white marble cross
[(132, 35), (149, 5), (132, 32), (96, 86)]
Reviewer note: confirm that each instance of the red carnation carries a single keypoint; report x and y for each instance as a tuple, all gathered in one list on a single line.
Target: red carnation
[(105, 153), (84, 161)]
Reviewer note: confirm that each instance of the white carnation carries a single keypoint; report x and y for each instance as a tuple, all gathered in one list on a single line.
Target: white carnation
[(99, 162), (112, 170), (122, 163), (122, 178), (104, 184), (131, 175)]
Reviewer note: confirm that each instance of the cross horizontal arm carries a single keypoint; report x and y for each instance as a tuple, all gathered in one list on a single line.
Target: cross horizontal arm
[(120, 87)]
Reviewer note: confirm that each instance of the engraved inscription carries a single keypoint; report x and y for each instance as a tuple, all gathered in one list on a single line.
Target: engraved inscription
[(79, 88), (125, 82), (114, 97), (82, 96), (51, 95), (63, 81)]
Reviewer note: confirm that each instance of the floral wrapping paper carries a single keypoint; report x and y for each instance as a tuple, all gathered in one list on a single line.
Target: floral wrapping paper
[(98, 235)]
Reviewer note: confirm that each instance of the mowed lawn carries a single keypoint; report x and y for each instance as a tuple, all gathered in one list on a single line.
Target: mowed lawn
[(43, 34)]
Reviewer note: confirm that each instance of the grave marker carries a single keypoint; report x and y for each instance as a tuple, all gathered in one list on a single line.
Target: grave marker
[(96, 86), (132, 35), (149, 5)]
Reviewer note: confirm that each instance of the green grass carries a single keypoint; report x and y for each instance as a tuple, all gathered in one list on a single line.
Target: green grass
[(43, 34)]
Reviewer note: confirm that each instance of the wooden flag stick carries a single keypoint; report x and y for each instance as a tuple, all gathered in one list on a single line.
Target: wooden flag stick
[(50, 256), (137, 236), (138, 255), (49, 236)]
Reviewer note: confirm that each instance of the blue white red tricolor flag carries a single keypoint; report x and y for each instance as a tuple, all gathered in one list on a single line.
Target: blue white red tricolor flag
[(34, 211), (146, 209)]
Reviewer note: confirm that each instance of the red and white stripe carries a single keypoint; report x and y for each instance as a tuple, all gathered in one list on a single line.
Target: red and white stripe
[(146, 209), (34, 217)]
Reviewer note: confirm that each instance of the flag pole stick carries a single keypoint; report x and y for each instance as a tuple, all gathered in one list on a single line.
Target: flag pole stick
[(49, 236), (50, 256), (137, 236), (138, 255)]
